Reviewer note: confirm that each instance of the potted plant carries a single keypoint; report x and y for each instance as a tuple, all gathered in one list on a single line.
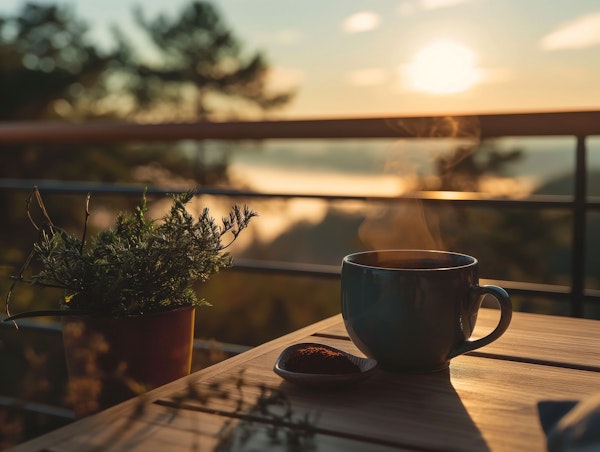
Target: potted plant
[(129, 305)]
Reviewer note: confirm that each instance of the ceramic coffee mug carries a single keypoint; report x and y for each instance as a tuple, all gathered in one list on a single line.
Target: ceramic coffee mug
[(414, 310)]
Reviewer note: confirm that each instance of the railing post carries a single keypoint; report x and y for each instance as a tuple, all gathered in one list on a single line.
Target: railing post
[(579, 230)]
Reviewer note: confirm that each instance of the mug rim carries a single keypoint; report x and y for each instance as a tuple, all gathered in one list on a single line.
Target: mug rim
[(348, 260)]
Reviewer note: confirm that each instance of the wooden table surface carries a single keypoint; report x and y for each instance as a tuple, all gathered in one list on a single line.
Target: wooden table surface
[(487, 400)]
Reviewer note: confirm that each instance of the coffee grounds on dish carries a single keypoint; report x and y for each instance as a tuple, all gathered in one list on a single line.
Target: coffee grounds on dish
[(320, 360)]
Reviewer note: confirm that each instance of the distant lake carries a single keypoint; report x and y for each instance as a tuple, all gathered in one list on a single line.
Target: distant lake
[(384, 166)]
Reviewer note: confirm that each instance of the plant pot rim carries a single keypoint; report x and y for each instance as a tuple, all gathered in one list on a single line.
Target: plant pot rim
[(64, 313)]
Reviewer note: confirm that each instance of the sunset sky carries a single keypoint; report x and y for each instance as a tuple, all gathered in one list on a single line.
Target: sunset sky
[(401, 57)]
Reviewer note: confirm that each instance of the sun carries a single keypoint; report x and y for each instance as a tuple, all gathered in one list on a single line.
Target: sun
[(443, 67)]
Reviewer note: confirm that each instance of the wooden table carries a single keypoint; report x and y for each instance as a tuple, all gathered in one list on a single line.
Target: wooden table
[(486, 401)]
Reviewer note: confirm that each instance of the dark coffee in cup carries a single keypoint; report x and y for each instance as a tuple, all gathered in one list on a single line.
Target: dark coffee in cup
[(414, 310)]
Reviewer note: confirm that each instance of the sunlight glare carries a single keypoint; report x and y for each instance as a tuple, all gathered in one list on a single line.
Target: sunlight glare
[(362, 21), (443, 68)]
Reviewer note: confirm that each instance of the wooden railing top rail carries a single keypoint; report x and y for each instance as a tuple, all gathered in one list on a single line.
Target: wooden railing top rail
[(576, 123)]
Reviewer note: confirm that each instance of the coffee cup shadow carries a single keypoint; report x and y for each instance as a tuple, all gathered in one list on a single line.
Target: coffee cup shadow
[(400, 410)]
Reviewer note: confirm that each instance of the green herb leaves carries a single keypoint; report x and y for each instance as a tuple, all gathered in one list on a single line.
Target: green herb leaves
[(140, 265)]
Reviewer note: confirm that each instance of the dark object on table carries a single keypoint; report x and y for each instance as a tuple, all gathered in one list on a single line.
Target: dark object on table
[(316, 359), (315, 373), (571, 426)]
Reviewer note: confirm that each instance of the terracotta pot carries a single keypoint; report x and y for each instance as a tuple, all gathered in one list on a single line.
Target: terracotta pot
[(110, 360)]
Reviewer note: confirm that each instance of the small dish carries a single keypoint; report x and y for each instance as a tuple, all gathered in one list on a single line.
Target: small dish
[(367, 367)]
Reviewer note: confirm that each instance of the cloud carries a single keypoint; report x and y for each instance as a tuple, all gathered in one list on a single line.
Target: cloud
[(438, 4), (577, 34), (368, 76), (361, 21), (410, 7)]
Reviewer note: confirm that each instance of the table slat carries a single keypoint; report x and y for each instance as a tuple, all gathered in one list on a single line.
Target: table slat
[(533, 337), (158, 428)]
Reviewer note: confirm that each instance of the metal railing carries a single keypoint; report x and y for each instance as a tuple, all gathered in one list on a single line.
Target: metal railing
[(578, 124)]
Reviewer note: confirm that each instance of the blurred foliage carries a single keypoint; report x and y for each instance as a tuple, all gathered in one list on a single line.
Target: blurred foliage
[(45, 61), (196, 62), (248, 311), (51, 69)]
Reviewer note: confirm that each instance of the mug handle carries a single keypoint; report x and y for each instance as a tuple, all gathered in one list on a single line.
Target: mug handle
[(503, 300)]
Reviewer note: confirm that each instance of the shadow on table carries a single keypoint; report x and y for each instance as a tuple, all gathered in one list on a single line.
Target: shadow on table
[(399, 411), (421, 411)]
